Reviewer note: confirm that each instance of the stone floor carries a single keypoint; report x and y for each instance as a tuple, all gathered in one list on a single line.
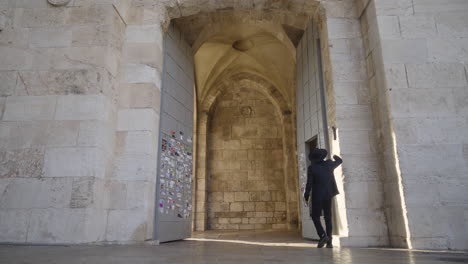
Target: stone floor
[(223, 248)]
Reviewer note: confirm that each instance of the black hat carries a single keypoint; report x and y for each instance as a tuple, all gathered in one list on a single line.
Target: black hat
[(317, 154)]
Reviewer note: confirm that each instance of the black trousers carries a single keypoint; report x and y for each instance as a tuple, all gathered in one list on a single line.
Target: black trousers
[(317, 208)]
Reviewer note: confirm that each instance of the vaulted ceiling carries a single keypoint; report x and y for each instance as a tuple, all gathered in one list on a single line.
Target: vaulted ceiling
[(237, 42)]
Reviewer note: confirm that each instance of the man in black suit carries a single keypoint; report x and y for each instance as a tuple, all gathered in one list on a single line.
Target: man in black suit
[(321, 181)]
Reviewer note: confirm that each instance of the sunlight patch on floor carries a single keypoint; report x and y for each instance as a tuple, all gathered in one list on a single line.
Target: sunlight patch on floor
[(266, 244)]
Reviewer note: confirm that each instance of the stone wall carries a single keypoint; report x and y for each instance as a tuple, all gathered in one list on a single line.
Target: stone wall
[(245, 163), (58, 72), (423, 45), (362, 219)]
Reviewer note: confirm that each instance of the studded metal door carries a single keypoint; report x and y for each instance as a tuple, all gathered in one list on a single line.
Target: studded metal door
[(311, 115), (174, 182)]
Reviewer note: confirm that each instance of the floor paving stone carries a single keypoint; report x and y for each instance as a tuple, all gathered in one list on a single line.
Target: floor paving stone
[(223, 248)]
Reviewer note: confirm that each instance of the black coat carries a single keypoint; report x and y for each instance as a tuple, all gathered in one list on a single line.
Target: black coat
[(321, 180)]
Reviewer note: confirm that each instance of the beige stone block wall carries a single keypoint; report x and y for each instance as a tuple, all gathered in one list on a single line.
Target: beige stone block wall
[(360, 218), (58, 72), (421, 73), (245, 185)]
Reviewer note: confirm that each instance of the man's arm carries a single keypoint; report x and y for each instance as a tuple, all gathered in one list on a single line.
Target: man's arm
[(337, 161)]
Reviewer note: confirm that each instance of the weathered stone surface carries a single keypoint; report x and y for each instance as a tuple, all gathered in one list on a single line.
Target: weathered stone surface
[(418, 26), (62, 82), (82, 192), (14, 225), (8, 80), (83, 107), (21, 163), (136, 119), (400, 51), (452, 25), (27, 193), (74, 161), (124, 228), (66, 225), (436, 75), (140, 96)]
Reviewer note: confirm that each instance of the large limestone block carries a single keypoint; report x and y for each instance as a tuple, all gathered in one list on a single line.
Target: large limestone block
[(448, 50), (97, 35), (140, 96), (82, 193), (20, 135), (28, 4), (140, 195), (28, 108), (403, 51), (21, 163), (41, 17), (349, 71), (74, 58), (431, 130), (14, 227), (144, 53), (66, 226), (452, 24), (62, 133), (356, 142), (422, 103), (343, 28), (74, 161), (418, 26), (394, 7), (96, 14), (83, 107), (96, 133), (389, 27), (141, 73), (452, 191), (134, 167), (436, 6), (8, 80), (137, 142), (50, 37), (62, 82), (364, 194), (418, 160), (14, 37), (144, 34), (366, 222), (416, 194), (395, 75), (36, 193), (137, 119), (461, 100)]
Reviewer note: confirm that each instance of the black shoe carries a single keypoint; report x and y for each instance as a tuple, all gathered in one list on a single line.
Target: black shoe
[(330, 242), (324, 240)]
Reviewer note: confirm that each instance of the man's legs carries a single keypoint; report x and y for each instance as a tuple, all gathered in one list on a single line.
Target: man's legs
[(327, 213), (316, 211), (317, 208)]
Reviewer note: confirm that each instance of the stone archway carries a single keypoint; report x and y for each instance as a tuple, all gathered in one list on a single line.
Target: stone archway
[(336, 24)]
